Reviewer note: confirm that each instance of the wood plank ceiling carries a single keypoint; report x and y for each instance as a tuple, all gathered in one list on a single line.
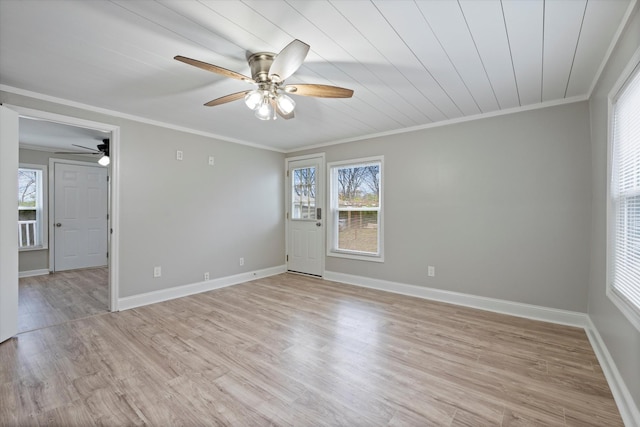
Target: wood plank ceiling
[(410, 63)]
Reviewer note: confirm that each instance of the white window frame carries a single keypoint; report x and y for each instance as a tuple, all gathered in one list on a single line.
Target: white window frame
[(42, 241), (630, 310), (332, 217)]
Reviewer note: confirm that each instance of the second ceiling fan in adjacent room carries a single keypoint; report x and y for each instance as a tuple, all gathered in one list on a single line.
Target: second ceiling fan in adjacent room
[(101, 150)]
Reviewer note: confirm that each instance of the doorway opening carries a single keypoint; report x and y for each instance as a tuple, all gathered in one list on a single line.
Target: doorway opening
[(70, 271)]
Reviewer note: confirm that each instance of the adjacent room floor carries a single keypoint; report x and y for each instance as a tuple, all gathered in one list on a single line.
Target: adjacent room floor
[(292, 350), (59, 297)]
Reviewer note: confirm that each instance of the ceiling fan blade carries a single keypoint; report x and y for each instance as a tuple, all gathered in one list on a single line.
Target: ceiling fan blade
[(213, 68), (227, 98), (288, 60), (76, 152), (281, 113), (320, 91), (86, 148)]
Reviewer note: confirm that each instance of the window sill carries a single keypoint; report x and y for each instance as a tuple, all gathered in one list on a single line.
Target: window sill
[(625, 307), (33, 248), (356, 256)]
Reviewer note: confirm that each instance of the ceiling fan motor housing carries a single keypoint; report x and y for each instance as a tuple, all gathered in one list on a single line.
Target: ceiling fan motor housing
[(104, 147), (260, 64)]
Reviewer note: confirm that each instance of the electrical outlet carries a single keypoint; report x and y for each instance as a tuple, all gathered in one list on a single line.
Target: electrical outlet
[(212, 160), (431, 271), (179, 155), (157, 271), (241, 261), (206, 276)]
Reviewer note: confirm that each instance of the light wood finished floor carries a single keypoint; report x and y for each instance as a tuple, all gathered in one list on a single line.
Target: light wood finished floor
[(57, 298), (291, 350)]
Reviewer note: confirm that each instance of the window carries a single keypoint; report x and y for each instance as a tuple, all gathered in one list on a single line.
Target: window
[(355, 220), (31, 210), (624, 266), (303, 197)]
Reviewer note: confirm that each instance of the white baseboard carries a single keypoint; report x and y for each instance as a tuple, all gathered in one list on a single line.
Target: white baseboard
[(628, 410), (546, 314), (195, 288), (626, 405), (31, 273)]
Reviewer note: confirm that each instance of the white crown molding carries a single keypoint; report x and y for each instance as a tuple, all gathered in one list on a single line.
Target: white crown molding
[(48, 98), (38, 148), (612, 46), (195, 288), (69, 103), (626, 405), (529, 311), (496, 113)]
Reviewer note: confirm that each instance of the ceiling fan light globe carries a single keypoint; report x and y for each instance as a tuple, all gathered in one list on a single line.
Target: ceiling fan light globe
[(285, 103), (104, 161), (264, 112), (253, 99)]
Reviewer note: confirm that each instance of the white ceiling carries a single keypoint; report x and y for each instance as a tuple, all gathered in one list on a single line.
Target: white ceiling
[(410, 63)]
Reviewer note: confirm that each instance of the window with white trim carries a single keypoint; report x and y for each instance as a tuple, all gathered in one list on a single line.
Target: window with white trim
[(624, 223), (31, 207), (355, 202)]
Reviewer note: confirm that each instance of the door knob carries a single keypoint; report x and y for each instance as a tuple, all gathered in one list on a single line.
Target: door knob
[(318, 224), (58, 224)]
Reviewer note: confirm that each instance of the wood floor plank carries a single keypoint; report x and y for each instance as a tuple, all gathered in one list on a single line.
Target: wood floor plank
[(294, 351), (59, 297)]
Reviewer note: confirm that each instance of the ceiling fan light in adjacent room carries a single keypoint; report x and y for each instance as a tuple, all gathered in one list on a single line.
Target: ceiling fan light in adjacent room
[(253, 99), (285, 103), (104, 161), (265, 111)]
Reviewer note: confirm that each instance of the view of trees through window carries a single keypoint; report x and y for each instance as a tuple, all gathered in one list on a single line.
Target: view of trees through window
[(304, 193), (28, 187), (358, 207)]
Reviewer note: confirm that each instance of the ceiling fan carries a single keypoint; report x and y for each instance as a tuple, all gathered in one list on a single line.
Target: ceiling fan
[(101, 149), (268, 73)]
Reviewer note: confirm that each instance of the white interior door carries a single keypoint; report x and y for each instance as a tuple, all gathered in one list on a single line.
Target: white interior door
[(305, 215), (80, 216), (8, 223)]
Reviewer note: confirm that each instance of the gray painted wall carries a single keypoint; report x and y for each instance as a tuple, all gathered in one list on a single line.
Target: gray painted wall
[(39, 259), (511, 207), (621, 338), (500, 207), (186, 216)]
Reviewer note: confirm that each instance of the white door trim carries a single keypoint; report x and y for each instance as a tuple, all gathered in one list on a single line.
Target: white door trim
[(287, 201), (8, 220), (114, 187)]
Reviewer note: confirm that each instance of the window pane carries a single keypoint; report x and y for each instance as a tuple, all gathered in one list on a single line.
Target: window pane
[(303, 197), (27, 187), (29, 207), (355, 219), (358, 231), (625, 191), (359, 186)]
